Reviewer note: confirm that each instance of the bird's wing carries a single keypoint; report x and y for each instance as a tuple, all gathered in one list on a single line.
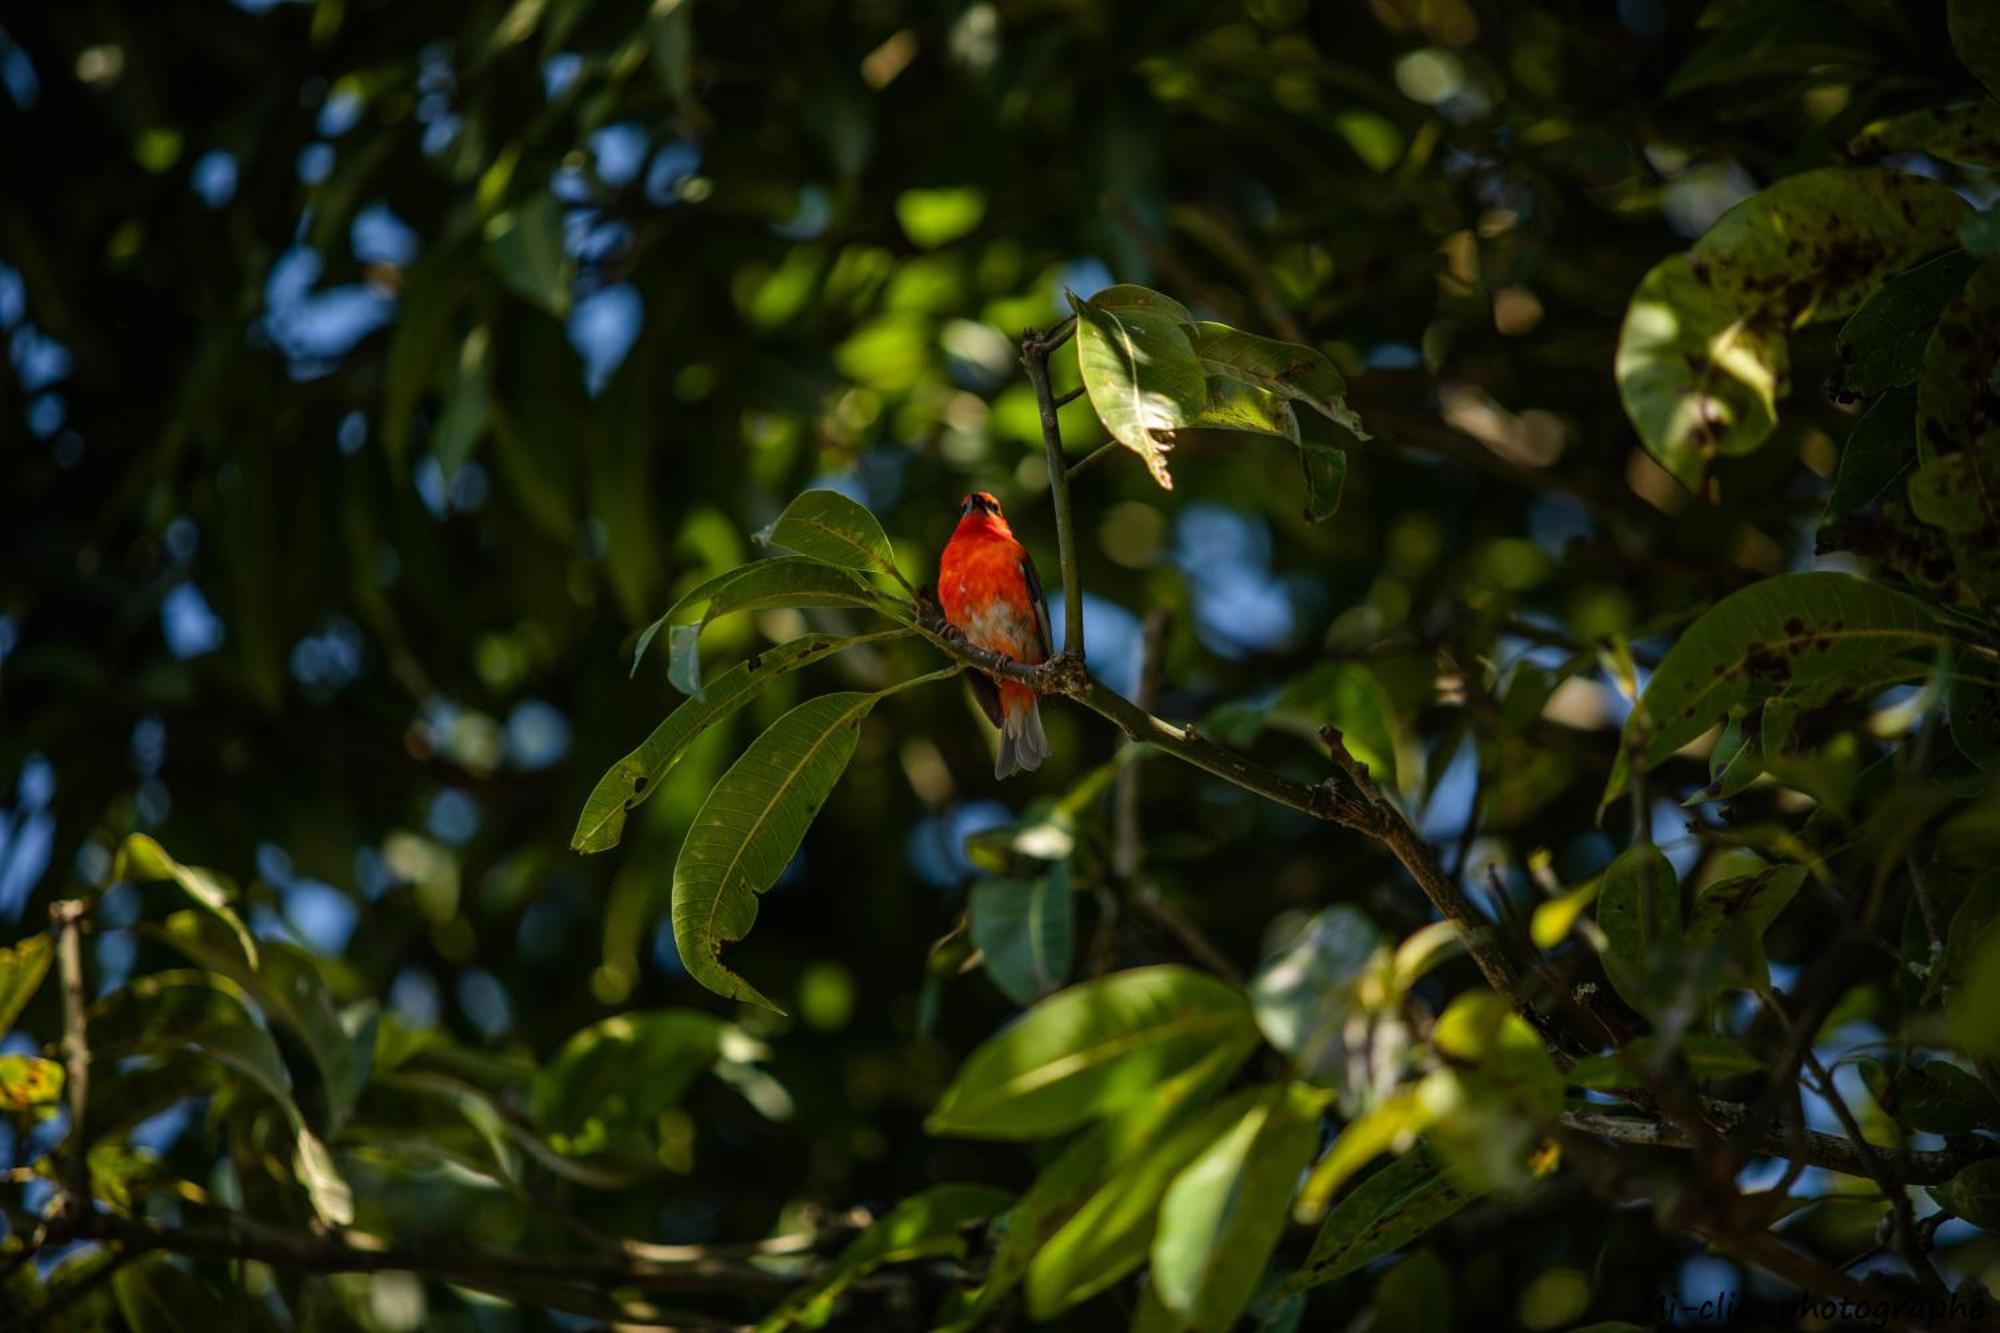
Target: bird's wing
[(986, 693), (1038, 605)]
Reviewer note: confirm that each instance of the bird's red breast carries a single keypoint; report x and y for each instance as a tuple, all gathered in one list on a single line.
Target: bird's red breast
[(987, 586)]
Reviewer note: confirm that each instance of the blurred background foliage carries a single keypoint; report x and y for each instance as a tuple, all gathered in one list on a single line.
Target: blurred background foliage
[(374, 371)]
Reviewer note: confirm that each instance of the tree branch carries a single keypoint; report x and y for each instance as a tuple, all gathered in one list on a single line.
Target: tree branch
[(66, 923), (710, 1276), (1829, 1152), (1035, 349)]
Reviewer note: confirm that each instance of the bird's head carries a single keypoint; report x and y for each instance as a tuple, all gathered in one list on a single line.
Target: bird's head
[(980, 513)]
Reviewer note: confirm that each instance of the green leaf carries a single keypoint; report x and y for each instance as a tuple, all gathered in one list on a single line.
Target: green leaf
[(1975, 35), (1141, 374), (1700, 376), (827, 526), (1109, 1235), (925, 1225), (1496, 1099), (1234, 405), (1088, 1164), (140, 858), (931, 218), (156, 1295), (1392, 1123), (1088, 1051), (468, 403), (1882, 344), (1306, 995), (1350, 696), (633, 779), (165, 1013), (1880, 449), (1776, 39), (750, 827), (1973, 1194), (525, 245), (1968, 133), (624, 1071), (1934, 1098), (22, 967), (1738, 910), (1782, 633), (28, 1082), (286, 985), (1639, 908), (1221, 1218), (1385, 1212), (1131, 296), (1025, 930), (790, 580), (1288, 371), (1814, 245), (1326, 476), (1957, 488)]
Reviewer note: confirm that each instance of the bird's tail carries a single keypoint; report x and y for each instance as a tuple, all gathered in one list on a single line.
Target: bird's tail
[(1023, 744)]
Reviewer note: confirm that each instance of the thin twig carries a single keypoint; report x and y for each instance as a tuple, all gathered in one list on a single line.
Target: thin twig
[(1093, 458)]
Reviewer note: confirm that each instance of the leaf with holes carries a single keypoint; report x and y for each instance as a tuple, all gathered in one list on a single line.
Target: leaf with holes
[(633, 779), (750, 827), (1088, 1051), (28, 1083), (1141, 374)]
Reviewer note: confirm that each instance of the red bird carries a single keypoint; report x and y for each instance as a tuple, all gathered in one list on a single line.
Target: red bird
[(991, 594)]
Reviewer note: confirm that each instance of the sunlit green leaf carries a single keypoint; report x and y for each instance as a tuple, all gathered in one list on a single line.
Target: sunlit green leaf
[(1088, 1051), (140, 858), (827, 526), (1700, 376), (28, 1082), (1223, 1214), (1288, 371), (22, 967), (1307, 993), (1142, 376)]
